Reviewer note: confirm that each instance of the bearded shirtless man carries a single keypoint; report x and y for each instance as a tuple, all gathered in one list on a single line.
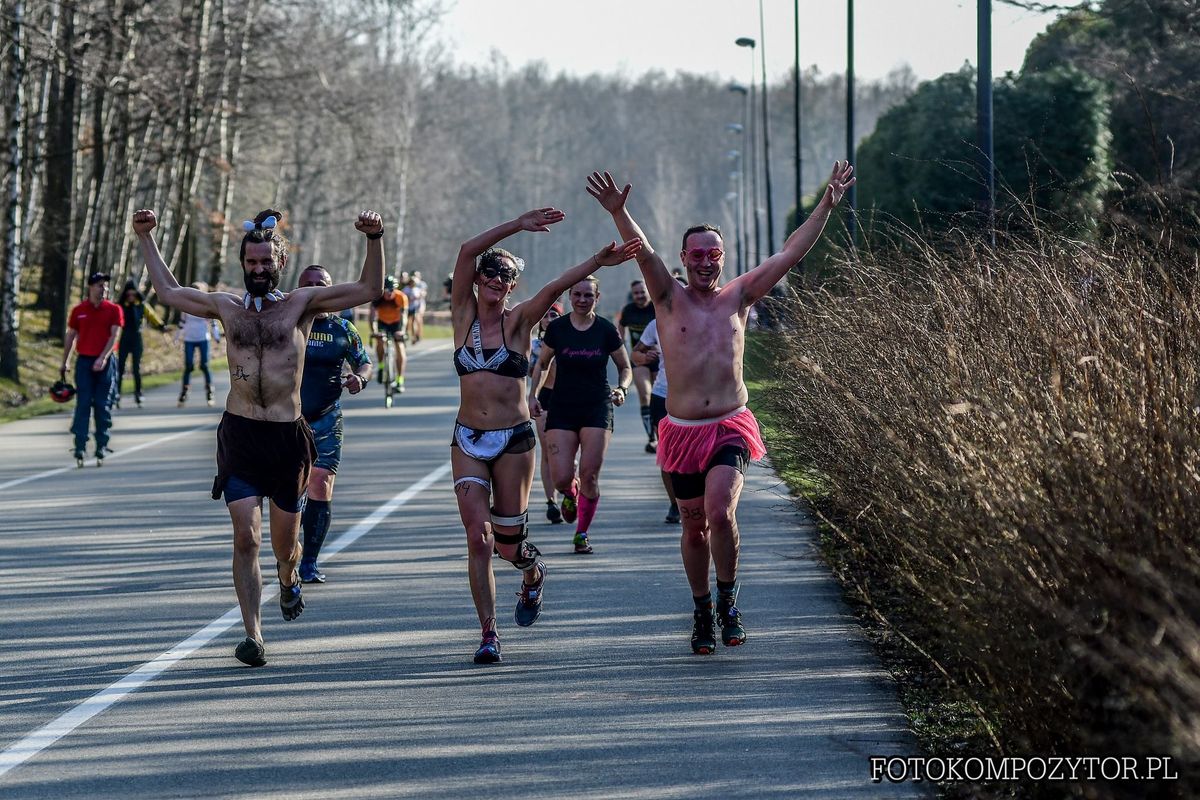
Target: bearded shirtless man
[(709, 436), (264, 446)]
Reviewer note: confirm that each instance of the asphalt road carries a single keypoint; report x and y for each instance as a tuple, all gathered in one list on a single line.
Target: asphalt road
[(117, 677)]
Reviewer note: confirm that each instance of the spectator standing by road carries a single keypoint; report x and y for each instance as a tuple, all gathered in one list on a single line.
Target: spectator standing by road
[(196, 333), (93, 330), (135, 312)]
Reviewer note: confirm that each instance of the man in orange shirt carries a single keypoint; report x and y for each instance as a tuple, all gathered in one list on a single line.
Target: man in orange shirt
[(388, 316), (93, 329)]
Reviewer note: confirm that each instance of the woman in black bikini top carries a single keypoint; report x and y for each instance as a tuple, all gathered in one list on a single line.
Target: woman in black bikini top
[(492, 447)]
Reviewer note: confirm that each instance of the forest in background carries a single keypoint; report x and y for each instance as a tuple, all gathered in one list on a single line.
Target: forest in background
[(209, 110)]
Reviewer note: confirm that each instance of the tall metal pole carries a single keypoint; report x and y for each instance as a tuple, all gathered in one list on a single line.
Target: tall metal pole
[(852, 199), (762, 48), (983, 117), (796, 123), (752, 132)]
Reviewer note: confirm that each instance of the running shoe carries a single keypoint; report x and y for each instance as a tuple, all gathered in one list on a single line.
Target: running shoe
[(704, 637), (552, 512), (570, 509), (251, 652), (651, 447), (291, 603), (310, 574), (732, 632), (529, 599), (672, 517), (99, 458), (582, 547), (489, 649), (137, 398), (79, 459), (400, 385), (208, 395), (183, 397)]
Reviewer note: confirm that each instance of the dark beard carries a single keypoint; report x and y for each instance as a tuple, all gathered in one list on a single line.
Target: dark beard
[(258, 288)]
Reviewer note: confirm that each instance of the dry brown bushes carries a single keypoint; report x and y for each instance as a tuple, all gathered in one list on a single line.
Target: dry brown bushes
[(1010, 440)]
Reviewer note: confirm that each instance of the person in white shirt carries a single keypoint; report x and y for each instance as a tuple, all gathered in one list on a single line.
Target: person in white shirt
[(648, 353), (196, 333)]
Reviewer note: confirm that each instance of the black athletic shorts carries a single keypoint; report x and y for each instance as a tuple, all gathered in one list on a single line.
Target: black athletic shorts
[(394, 328), (563, 417), (544, 396), (690, 485)]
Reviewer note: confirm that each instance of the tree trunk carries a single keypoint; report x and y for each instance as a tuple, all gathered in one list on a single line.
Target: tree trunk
[(59, 175), (10, 280)]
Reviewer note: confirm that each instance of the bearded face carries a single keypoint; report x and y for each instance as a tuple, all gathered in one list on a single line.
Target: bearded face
[(260, 270)]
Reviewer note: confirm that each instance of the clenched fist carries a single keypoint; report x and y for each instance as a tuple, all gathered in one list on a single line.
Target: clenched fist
[(144, 221), (369, 223)]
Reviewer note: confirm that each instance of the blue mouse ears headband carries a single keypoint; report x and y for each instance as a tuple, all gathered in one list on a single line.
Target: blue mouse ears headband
[(267, 224)]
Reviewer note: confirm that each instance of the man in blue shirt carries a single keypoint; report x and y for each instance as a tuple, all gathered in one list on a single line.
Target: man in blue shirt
[(332, 342)]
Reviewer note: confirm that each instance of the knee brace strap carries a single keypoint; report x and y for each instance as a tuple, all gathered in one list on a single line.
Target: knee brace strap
[(520, 519)]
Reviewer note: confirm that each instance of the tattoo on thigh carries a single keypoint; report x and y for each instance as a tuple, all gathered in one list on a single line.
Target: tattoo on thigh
[(463, 489), (553, 448), (696, 514)]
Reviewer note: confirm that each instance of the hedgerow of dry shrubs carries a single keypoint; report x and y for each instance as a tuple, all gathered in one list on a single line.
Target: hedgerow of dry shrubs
[(1009, 439)]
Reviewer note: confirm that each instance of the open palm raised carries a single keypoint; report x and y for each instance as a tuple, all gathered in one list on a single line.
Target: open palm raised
[(841, 179)]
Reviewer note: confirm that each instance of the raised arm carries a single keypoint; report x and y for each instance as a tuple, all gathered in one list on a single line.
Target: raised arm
[(184, 298), (369, 285), (659, 282), (756, 283), (610, 255), (462, 296)]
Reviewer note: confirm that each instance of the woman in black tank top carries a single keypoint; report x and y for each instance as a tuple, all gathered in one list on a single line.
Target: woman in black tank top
[(580, 418), (492, 448)]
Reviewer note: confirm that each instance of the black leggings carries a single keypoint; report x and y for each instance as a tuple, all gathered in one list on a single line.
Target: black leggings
[(131, 349)]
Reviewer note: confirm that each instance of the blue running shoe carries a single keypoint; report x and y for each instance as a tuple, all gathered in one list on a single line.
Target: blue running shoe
[(489, 649), (529, 599)]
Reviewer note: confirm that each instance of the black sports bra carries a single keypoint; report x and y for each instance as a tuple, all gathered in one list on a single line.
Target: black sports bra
[(501, 361)]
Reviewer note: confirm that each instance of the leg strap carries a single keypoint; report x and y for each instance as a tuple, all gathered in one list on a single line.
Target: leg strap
[(484, 482), (526, 555)]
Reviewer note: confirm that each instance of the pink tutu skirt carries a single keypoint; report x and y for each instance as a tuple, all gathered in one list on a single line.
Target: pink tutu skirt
[(687, 445)]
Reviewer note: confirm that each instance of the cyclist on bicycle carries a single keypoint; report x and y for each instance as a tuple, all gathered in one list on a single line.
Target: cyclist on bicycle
[(388, 315)]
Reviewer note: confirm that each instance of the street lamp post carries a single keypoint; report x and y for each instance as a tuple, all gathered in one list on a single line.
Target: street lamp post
[(741, 245), (851, 195), (796, 122), (746, 41), (766, 114), (738, 179), (750, 164), (983, 117)]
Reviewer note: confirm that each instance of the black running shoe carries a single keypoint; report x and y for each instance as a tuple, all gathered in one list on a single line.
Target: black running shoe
[(79, 459), (489, 649), (704, 637), (552, 512), (529, 599), (291, 603), (672, 517), (732, 632), (651, 447), (251, 652)]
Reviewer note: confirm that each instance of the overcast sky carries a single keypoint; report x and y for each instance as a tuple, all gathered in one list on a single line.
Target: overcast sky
[(635, 36)]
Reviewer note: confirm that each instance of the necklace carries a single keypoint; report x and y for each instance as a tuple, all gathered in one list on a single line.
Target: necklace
[(274, 295)]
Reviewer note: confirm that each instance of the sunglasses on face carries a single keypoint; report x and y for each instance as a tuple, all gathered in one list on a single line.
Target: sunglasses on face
[(508, 276), (698, 254)]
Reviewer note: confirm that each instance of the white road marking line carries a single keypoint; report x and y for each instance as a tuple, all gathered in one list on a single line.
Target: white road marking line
[(39, 740), (113, 457)]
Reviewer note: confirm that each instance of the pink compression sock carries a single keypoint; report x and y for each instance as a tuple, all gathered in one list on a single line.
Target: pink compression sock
[(587, 510)]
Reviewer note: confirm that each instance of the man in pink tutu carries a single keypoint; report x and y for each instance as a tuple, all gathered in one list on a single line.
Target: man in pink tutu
[(709, 436)]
